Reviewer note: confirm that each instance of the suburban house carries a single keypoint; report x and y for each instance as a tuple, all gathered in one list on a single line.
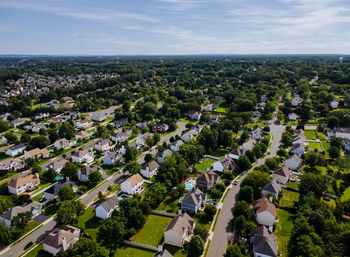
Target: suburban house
[(83, 123), (187, 136), (213, 118), (297, 148), (207, 179), (163, 253), (207, 107), (111, 158), (265, 212), (282, 174), (160, 127), (194, 115), (293, 116), (105, 209), (39, 153), (56, 120), (249, 145), (100, 116), (40, 116), (17, 122), (264, 243), (23, 184), (82, 135), (133, 185), (179, 230), (257, 134), (86, 170), (83, 156), (34, 127), (293, 161), (334, 104), (121, 123), (225, 163), (11, 164), (63, 143), (3, 140), (120, 137), (57, 165), (235, 154), (193, 201), (272, 187), (346, 143), (7, 217), (61, 239), (16, 149), (175, 146), (296, 100), (103, 145), (161, 155), (341, 133), (52, 192), (149, 169), (141, 139)]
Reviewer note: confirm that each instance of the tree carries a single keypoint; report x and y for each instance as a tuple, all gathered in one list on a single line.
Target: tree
[(233, 251), (336, 141), (314, 158), (286, 138), (36, 169), (66, 131), (133, 167), (21, 220), (111, 233), (43, 132), (256, 179), (315, 183), (11, 138), (332, 122), (246, 193), (196, 246), (49, 174), (156, 138), (66, 193), (68, 212), (130, 153), (243, 162), (334, 152), (70, 170), (5, 235), (148, 110), (240, 224), (271, 163), (148, 157), (251, 155), (95, 177), (88, 247), (210, 210), (4, 125), (241, 208), (25, 138), (24, 199), (39, 142), (201, 231)]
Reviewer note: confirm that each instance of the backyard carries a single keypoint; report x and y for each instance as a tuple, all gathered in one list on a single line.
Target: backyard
[(133, 252), (310, 134), (315, 146), (89, 222), (205, 164)]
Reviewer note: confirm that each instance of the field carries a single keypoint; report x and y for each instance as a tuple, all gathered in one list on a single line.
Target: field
[(153, 230), (310, 134), (206, 163), (133, 252), (89, 222)]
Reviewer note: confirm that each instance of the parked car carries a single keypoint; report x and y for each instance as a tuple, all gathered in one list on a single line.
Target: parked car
[(236, 182), (28, 245)]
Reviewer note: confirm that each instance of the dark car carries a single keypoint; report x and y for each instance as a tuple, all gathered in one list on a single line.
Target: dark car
[(28, 245)]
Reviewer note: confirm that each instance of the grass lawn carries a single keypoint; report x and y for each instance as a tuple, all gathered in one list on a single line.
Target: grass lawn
[(133, 252), (288, 199), (346, 195), (188, 121), (202, 221), (220, 153), (205, 164), (293, 184), (314, 145), (175, 251), (326, 146), (310, 134), (221, 109), (153, 230), (283, 229), (169, 205), (89, 222), (34, 252)]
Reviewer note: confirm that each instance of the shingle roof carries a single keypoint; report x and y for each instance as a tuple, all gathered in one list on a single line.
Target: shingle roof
[(54, 239), (283, 171), (263, 204), (135, 179), (193, 197), (265, 242), (109, 204), (87, 170), (15, 147), (180, 223), (153, 165), (163, 253), (18, 182), (206, 177), (272, 186)]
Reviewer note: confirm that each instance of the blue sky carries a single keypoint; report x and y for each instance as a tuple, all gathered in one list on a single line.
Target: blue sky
[(118, 27)]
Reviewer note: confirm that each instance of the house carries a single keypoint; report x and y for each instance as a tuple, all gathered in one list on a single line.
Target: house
[(334, 104), (342, 132), (82, 135), (149, 169), (15, 150), (133, 185), (160, 127), (57, 120), (297, 148), (175, 146), (296, 100), (7, 217), (103, 145), (264, 243), (249, 145), (163, 253), (265, 212), (213, 118), (17, 122), (83, 124), (63, 143), (43, 153), (121, 122), (235, 154), (293, 116), (86, 170), (193, 201), (207, 107), (207, 179), (100, 116), (61, 239), (83, 156), (141, 139), (225, 163), (40, 116), (68, 105), (52, 192), (187, 136), (257, 134), (23, 184), (346, 143), (105, 209), (161, 155), (120, 137), (293, 161), (111, 158), (282, 174), (142, 124), (179, 230), (194, 115), (3, 140), (11, 164), (34, 127), (57, 165), (272, 187)]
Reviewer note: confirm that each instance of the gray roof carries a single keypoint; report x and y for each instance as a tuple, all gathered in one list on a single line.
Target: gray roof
[(342, 130), (163, 253), (14, 211), (109, 204), (193, 197), (87, 170), (16, 147), (272, 186), (152, 165), (264, 242), (180, 223)]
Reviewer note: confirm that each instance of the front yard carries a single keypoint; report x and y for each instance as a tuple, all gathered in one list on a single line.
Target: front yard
[(89, 222)]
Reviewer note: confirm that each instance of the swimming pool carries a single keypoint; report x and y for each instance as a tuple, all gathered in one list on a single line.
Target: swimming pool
[(188, 185), (59, 178)]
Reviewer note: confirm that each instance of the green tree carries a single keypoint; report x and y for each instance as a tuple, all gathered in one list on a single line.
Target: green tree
[(332, 122), (21, 220), (315, 183), (133, 167), (201, 231), (148, 157), (130, 153), (246, 193), (70, 170), (271, 163), (196, 246), (240, 224), (111, 233), (11, 138), (4, 125), (40, 142), (88, 247), (233, 251), (334, 152), (149, 109), (95, 177), (49, 174), (66, 131), (241, 208), (243, 162), (66, 193), (68, 212), (5, 235), (314, 158), (286, 138), (25, 138), (210, 210)]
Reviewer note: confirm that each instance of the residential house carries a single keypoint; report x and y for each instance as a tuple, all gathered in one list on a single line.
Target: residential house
[(334, 104), (342, 133), (282, 174), (161, 155), (57, 120), (63, 143), (175, 146), (179, 230), (15, 150), (187, 136), (34, 127), (207, 179), (17, 122), (86, 170), (207, 107), (149, 169), (104, 210), (82, 135), (235, 154), (121, 122), (346, 143), (37, 153), (57, 165), (133, 185), (80, 124), (160, 127), (297, 148), (265, 212), (293, 161), (120, 137), (103, 145), (83, 156), (213, 118), (141, 139), (193, 201), (225, 163), (23, 184), (257, 134), (3, 140), (100, 116), (293, 116), (7, 217), (60, 240), (40, 116), (249, 145), (111, 158), (163, 253), (264, 243), (194, 115), (272, 187), (52, 192), (296, 100), (11, 164)]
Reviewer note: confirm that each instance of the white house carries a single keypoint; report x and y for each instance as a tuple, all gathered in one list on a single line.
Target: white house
[(249, 145), (235, 154), (105, 209), (296, 100), (57, 165), (63, 143), (293, 161), (175, 146), (272, 187), (120, 137), (83, 123), (11, 164), (161, 155), (342, 133), (103, 145), (83, 156), (23, 184), (194, 115), (100, 116), (265, 212), (293, 116), (86, 170), (52, 192), (179, 230), (132, 185), (16, 149), (213, 118), (82, 135), (43, 153), (111, 158), (282, 174), (225, 163), (7, 217), (187, 136), (61, 239), (257, 134), (149, 169)]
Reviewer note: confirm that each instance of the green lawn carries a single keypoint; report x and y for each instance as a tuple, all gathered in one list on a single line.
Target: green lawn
[(220, 153), (169, 205), (288, 199), (133, 252), (188, 121), (326, 146), (34, 252), (89, 222), (293, 184), (221, 109), (203, 221), (153, 230), (310, 134), (346, 195), (206, 163), (316, 146), (283, 229)]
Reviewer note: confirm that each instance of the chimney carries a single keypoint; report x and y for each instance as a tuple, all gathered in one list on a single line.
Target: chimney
[(64, 243), (37, 175), (179, 212)]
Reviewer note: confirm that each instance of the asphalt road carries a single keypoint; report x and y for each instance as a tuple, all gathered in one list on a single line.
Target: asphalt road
[(223, 232)]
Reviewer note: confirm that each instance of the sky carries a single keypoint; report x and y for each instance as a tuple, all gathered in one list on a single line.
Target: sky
[(174, 27)]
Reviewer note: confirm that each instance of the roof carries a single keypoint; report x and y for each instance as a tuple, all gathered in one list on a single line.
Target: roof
[(283, 171), (16, 147), (180, 223), (153, 165), (135, 179), (163, 253), (206, 177), (37, 151), (18, 182), (109, 204), (342, 130), (81, 153), (294, 157), (54, 239), (12, 212), (263, 204), (272, 186), (86, 169), (58, 163), (193, 197), (265, 242)]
